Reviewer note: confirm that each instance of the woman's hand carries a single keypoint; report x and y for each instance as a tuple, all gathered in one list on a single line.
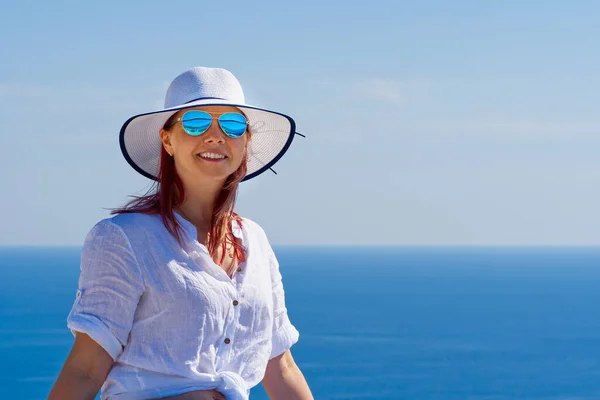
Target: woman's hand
[(197, 395)]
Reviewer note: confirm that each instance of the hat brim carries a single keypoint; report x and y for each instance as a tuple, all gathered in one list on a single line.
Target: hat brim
[(272, 134)]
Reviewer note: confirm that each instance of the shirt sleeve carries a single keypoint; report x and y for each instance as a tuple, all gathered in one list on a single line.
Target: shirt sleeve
[(110, 286), (284, 333)]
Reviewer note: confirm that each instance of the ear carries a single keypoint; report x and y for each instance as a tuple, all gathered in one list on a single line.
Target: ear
[(165, 138)]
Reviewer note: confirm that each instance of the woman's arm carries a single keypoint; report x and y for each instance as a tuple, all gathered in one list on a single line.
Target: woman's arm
[(284, 381), (84, 371)]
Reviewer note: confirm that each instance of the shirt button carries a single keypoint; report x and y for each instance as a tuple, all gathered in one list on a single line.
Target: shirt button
[(239, 269), (227, 341), (235, 302)]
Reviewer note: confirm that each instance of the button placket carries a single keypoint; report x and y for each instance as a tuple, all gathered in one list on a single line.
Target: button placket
[(230, 328), (226, 344), (236, 316), (236, 295)]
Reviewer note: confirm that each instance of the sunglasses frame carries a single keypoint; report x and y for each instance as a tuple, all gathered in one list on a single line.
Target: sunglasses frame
[(212, 114)]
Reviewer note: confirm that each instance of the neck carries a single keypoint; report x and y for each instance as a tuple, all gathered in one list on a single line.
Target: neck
[(199, 202)]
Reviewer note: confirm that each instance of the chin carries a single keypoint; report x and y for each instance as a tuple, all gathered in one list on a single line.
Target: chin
[(217, 171), (220, 174)]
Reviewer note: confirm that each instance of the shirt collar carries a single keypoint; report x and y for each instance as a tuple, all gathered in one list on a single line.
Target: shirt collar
[(192, 232)]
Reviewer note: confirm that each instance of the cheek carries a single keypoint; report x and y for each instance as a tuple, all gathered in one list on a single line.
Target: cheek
[(179, 140), (240, 148), (189, 140)]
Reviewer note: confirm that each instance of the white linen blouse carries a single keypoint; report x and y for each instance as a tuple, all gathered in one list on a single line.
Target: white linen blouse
[(171, 318)]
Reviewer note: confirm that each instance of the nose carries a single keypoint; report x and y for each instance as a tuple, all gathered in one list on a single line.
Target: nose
[(214, 134)]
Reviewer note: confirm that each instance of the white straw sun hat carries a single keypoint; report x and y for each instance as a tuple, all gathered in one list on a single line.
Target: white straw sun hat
[(272, 132)]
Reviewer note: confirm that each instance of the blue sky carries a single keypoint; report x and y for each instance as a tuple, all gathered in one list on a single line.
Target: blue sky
[(427, 123)]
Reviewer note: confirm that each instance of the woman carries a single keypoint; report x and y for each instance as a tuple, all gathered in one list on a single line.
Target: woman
[(179, 297)]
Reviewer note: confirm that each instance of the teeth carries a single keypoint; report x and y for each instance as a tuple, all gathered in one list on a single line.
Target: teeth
[(211, 155)]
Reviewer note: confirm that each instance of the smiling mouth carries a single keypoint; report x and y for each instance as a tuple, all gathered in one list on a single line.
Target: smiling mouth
[(212, 159)]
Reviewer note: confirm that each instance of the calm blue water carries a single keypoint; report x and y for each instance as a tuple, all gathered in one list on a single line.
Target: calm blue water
[(375, 323)]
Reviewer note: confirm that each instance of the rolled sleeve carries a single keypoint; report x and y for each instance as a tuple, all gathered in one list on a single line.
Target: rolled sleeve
[(284, 333), (110, 286)]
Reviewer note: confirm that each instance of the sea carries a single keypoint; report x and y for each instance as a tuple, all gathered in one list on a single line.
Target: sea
[(418, 322)]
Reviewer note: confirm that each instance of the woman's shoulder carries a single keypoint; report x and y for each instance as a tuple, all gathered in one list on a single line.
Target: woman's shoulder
[(252, 226), (128, 223), (256, 232), (134, 219)]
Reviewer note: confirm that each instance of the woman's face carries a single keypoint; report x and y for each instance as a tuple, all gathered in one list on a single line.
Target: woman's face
[(186, 149)]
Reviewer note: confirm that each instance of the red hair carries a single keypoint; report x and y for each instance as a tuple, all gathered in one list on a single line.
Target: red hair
[(168, 193)]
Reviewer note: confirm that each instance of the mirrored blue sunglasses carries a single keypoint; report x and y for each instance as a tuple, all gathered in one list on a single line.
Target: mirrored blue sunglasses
[(196, 122)]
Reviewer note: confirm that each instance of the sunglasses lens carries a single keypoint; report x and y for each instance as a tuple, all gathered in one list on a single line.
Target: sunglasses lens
[(196, 122), (233, 124)]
